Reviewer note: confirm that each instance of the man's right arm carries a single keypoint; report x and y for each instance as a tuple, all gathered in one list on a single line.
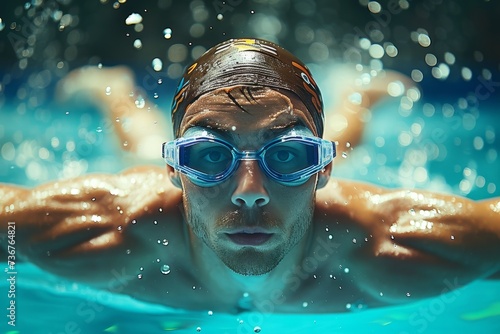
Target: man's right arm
[(83, 228)]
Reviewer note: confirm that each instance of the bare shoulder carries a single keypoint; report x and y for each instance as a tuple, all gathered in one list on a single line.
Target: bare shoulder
[(401, 242), (78, 227)]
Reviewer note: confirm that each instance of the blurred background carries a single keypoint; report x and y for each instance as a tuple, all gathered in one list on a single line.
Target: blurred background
[(436, 39)]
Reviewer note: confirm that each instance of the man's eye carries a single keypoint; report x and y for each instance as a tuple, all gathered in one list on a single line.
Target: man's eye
[(215, 156), (283, 156)]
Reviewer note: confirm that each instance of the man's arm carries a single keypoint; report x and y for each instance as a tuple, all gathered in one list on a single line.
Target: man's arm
[(140, 124), (353, 99), (83, 228), (419, 244)]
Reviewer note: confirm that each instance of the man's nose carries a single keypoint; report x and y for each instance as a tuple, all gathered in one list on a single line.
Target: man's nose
[(250, 190)]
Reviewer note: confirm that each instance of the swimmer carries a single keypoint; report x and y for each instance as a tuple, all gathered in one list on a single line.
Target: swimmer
[(246, 216)]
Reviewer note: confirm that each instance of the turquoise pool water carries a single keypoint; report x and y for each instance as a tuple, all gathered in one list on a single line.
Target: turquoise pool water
[(50, 305), (425, 147)]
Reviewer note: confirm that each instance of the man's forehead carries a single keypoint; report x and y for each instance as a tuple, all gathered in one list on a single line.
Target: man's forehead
[(265, 115)]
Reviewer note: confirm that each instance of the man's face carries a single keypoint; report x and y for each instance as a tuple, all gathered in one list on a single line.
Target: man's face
[(250, 220)]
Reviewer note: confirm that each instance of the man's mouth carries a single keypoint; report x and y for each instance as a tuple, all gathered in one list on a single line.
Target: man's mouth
[(249, 239)]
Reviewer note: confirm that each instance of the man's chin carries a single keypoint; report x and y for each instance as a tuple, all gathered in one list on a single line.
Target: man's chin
[(249, 261)]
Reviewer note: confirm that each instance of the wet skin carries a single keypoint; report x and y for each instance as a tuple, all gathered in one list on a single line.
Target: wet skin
[(326, 242)]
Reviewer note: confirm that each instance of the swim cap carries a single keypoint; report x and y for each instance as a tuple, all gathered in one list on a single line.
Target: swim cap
[(247, 62)]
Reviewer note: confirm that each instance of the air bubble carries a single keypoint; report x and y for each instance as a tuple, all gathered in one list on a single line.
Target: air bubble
[(256, 329)]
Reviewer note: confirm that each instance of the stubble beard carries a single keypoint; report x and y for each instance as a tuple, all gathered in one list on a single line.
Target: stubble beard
[(251, 260)]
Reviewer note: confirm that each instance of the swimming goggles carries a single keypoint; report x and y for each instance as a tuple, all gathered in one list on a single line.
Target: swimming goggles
[(287, 159)]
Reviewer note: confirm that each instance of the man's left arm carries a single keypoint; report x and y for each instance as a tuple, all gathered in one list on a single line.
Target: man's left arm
[(424, 244)]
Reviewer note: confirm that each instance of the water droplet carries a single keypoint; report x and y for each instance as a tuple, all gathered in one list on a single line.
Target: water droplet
[(355, 98), (167, 33), (305, 304), (220, 17), (346, 270), (133, 18), (354, 241), (138, 44), (157, 64), (330, 237), (165, 269), (256, 329), (424, 40), (140, 102)]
